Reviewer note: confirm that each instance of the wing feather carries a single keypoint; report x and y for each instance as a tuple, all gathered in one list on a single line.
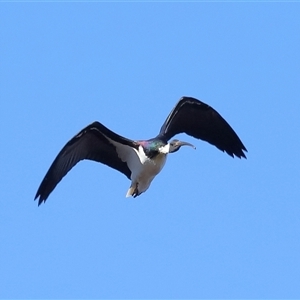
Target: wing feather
[(90, 143), (201, 121)]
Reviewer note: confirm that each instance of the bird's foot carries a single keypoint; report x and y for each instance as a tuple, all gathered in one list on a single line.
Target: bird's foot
[(133, 191), (136, 191)]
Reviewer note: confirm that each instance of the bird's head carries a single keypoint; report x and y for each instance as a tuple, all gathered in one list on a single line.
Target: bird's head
[(176, 144)]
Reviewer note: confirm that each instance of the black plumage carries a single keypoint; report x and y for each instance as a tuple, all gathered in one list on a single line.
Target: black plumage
[(90, 143), (135, 158), (201, 121)]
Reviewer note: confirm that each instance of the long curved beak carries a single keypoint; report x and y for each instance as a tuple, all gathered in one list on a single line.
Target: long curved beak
[(180, 143)]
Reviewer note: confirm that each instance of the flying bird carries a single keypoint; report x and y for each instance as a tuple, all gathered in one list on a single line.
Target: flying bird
[(140, 161)]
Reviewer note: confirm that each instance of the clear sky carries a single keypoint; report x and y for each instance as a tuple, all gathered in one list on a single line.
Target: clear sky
[(209, 226)]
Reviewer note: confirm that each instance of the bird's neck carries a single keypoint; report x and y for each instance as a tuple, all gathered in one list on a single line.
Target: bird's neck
[(151, 153), (154, 148), (164, 149)]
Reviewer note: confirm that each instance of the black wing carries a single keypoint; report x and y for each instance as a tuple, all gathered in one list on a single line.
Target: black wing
[(201, 121), (90, 143)]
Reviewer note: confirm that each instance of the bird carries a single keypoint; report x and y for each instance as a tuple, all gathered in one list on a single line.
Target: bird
[(141, 160)]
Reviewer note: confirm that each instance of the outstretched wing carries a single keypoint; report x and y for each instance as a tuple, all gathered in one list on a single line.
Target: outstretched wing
[(201, 121), (91, 143)]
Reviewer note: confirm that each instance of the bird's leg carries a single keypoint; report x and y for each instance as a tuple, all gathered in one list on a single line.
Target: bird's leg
[(135, 192)]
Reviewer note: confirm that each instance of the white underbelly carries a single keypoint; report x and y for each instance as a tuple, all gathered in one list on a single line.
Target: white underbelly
[(143, 169), (147, 171), (152, 167)]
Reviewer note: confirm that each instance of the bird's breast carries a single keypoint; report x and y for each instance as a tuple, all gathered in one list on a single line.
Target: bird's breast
[(151, 167), (154, 165), (144, 168)]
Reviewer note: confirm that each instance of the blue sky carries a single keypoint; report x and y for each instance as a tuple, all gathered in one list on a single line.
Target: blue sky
[(209, 226)]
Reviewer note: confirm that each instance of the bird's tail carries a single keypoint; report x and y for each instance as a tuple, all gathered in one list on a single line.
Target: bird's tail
[(133, 190), (130, 192)]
